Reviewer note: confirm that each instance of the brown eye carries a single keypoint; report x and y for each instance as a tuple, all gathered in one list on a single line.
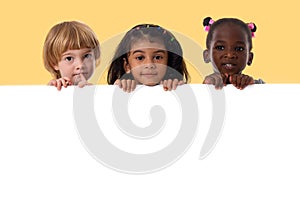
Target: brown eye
[(158, 57), (139, 58), (68, 58), (220, 47), (239, 48)]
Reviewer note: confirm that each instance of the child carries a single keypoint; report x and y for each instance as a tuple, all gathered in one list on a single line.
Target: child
[(229, 44), (71, 52), (148, 54)]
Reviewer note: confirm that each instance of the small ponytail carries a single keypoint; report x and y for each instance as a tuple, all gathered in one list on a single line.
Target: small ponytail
[(207, 22), (252, 28)]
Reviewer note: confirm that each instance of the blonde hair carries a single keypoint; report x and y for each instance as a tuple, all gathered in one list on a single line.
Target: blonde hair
[(67, 36)]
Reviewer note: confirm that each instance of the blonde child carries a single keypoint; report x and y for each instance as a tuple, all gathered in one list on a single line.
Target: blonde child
[(71, 52), (148, 54), (229, 45)]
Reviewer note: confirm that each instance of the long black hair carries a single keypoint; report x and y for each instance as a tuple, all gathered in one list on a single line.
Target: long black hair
[(149, 31)]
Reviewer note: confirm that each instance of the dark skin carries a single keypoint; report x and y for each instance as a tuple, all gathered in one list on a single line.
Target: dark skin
[(229, 54)]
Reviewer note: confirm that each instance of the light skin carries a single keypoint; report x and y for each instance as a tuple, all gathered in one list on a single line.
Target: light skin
[(147, 61), (76, 67), (229, 54)]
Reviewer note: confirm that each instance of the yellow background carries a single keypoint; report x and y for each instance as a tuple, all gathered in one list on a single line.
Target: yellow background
[(24, 25)]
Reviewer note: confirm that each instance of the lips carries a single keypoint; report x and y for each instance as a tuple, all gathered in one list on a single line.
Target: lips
[(228, 66), (149, 74), (77, 78), (80, 73)]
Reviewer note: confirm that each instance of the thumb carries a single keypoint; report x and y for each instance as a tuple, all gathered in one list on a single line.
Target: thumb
[(82, 77)]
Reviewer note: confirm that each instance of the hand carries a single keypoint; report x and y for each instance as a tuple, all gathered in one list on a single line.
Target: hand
[(127, 85), (241, 81), (216, 79), (171, 84), (58, 83), (83, 82)]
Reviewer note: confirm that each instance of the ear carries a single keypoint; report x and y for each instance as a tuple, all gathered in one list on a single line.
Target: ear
[(126, 66), (206, 57), (251, 55), (56, 67)]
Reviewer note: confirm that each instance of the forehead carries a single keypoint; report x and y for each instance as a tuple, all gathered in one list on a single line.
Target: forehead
[(144, 43), (230, 32), (78, 51)]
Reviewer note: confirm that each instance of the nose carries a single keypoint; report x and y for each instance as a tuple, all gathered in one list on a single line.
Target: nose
[(149, 63), (79, 64), (230, 54)]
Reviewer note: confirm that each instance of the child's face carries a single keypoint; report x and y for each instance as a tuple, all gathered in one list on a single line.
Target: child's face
[(229, 50), (147, 61), (75, 62)]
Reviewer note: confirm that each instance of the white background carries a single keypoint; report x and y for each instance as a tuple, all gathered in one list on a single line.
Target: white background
[(256, 157)]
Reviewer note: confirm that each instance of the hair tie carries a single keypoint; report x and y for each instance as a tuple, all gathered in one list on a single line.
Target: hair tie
[(252, 28), (207, 22)]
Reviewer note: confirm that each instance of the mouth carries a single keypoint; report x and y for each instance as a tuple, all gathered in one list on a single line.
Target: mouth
[(149, 75), (77, 74), (77, 77), (228, 66)]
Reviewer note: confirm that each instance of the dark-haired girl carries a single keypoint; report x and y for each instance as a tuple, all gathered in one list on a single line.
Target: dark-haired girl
[(228, 48), (150, 55)]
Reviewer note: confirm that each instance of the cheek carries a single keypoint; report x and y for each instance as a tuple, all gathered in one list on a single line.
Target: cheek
[(161, 69), (136, 70), (134, 64)]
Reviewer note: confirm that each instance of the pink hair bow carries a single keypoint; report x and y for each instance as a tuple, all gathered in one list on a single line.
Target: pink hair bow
[(251, 26), (206, 28)]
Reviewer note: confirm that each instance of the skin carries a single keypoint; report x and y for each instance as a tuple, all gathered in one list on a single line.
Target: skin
[(229, 54), (147, 61), (76, 67)]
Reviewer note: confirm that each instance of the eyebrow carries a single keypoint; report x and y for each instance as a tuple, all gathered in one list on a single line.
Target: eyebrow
[(222, 41), (141, 51), (70, 53)]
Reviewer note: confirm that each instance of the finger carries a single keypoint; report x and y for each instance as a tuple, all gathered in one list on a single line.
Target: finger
[(133, 85), (218, 82), (243, 80), (118, 83), (81, 84), (209, 80), (82, 77), (58, 85), (165, 85), (123, 84), (225, 78), (52, 83), (232, 80), (251, 81), (68, 81), (174, 84), (239, 81), (181, 82), (128, 85), (169, 84), (63, 82), (248, 81)]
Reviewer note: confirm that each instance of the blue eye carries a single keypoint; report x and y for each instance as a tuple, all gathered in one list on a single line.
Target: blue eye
[(88, 55)]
